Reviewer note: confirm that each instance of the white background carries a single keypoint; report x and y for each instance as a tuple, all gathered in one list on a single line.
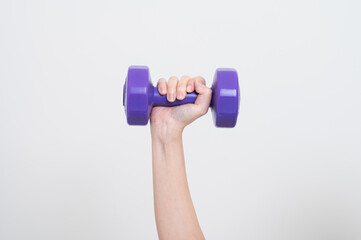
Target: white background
[(71, 168)]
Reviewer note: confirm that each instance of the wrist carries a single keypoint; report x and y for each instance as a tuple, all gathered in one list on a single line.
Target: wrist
[(167, 146), (166, 133)]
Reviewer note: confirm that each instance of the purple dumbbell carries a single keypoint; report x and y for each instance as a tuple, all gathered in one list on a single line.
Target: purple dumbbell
[(139, 96)]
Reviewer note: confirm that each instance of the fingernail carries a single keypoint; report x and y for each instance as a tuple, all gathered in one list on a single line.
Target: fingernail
[(189, 88), (171, 96), (162, 91), (179, 95)]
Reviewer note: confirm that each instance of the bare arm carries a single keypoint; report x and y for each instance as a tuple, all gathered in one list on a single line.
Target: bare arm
[(174, 211)]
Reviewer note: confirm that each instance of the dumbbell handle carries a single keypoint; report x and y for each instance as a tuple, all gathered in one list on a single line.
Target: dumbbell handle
[(161, 100)]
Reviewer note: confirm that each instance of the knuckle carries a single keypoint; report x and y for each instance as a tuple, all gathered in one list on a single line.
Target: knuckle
[(173, 79), (201, 79), (183, 81), (161, 82), (184, 77), (181, 85)]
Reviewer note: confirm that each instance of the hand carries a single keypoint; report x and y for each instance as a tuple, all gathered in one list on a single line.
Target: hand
[(169, 120)]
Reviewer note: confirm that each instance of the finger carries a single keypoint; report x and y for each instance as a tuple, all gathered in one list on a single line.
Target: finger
[(191, 82), (181, 87), (190, 85), (204, 95), (162, 86), (172, 87)]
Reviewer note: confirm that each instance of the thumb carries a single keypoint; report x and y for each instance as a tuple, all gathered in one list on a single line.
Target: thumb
[(204, 95)]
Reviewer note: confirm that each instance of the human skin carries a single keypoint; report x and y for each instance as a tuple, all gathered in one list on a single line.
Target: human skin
[(174, 211)]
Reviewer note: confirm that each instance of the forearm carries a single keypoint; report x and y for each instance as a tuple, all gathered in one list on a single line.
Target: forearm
[(174, 211)]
